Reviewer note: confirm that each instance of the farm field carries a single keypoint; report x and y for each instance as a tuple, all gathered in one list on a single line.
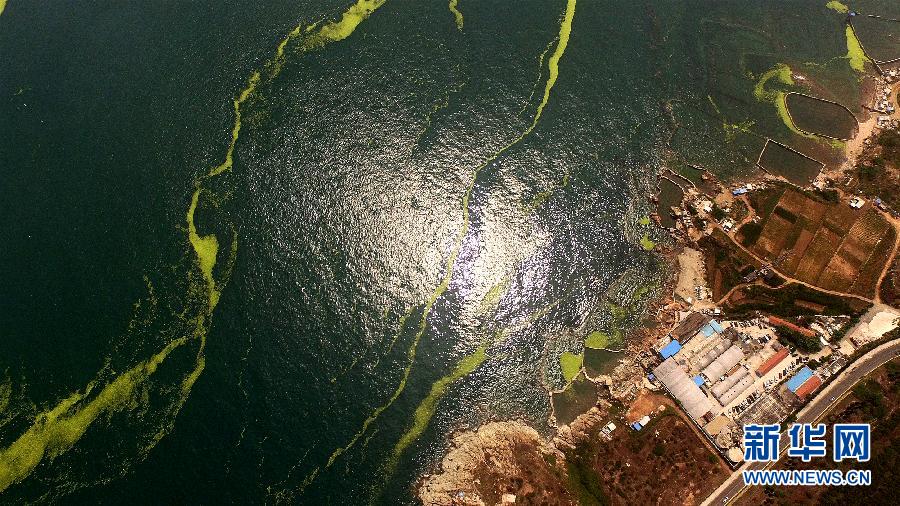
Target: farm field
[(828, 245)]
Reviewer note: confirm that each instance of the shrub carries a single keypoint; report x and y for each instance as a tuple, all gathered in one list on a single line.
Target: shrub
[(804, 343), (659, 450), (750, 233)]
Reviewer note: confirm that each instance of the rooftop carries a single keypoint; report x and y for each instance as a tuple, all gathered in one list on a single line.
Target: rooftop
[(811, 385), (670, 349), (799, 379), (683, 388)]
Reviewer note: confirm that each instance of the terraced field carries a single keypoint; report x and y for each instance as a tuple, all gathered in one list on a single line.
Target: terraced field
[(828, 245)]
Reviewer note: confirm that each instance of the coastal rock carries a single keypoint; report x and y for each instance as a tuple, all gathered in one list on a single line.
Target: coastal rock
[(498, 459)]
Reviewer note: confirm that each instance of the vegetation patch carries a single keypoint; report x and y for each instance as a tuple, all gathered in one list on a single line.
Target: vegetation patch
[(726, 264), (803, 343), (570, 364), (789, 301), (877, 173)]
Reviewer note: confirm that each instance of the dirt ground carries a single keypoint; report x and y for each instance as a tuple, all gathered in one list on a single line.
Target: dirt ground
[(828, 245), (665, 456), (691, 273), (645, 404)]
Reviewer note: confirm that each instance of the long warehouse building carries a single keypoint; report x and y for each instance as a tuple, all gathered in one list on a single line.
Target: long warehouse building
[(683, 388)]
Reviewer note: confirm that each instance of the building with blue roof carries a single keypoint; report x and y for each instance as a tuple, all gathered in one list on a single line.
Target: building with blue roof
[(707, 330), (799, 379), (698, 380), (670, 349), (717, 326)]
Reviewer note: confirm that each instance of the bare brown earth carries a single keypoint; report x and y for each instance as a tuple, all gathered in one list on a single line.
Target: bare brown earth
[(824, 244), (665, 463)]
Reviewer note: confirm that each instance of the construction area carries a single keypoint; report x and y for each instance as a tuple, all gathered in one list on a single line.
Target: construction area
[(728, 373)]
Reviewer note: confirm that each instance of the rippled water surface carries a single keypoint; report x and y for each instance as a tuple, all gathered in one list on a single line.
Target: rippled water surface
[(278, 251)]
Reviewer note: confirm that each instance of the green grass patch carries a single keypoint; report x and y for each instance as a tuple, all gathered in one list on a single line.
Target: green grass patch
[(570, 364), (597, 340)]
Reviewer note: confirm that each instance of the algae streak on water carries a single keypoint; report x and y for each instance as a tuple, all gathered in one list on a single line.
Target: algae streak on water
[(553, 66), (782, 74), (425, 410), (236, 127), (837, 6), (206, 248), (855, 53), (55, 431), (456, 14), (2, 6), (340, 30)]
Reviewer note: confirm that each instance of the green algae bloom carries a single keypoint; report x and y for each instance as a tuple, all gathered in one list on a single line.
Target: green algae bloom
[(597, 340), (492, 298), (205, 247), (425, 410), (837, 6), (456, 13), (781, 73), (553, 65), (571, 365), (855, 52), (351, 18)]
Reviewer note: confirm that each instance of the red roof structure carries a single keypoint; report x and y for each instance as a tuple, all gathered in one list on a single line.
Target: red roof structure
[(774, 360), (813, 383), (774, 320)]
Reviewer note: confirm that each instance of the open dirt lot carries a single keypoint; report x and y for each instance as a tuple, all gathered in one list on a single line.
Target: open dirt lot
[(666, 455)]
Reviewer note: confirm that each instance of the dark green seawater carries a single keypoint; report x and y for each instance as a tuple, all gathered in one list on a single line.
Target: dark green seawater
[(123, 379)]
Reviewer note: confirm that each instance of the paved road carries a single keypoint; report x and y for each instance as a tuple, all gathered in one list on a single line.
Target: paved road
[(836, 390)]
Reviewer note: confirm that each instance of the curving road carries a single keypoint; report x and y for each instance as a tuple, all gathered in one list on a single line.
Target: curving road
[(814, 410)]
